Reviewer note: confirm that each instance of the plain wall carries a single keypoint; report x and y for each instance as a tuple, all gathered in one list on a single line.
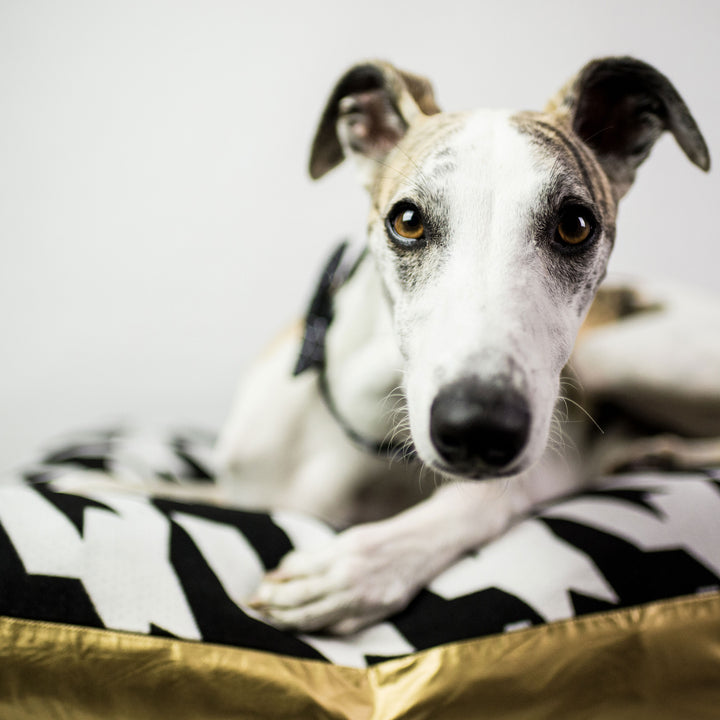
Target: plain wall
[(157, 224)]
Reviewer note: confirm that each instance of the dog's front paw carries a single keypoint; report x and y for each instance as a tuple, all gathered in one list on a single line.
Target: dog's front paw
[(359, 578)]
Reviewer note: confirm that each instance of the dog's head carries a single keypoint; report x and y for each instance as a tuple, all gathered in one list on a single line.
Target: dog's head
[(491, 231)]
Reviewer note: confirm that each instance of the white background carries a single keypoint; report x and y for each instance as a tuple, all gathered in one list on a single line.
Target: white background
[(157, 225)]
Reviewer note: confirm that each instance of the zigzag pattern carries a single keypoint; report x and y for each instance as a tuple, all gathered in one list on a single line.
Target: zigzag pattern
[(109, 559)]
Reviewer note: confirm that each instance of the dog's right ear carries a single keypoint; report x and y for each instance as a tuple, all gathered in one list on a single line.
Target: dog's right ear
[(368, 112)]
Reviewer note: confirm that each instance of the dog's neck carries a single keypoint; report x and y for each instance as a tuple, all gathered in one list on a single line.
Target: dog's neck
[(363, 365)]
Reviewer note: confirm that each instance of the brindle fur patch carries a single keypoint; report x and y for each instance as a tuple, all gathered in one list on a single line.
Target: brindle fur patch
[(557, 140), (577, 177)]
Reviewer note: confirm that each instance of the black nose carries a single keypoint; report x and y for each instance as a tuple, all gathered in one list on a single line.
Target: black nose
[(472, 423)]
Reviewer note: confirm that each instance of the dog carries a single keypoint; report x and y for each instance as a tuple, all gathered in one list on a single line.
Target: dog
[(429, 407)]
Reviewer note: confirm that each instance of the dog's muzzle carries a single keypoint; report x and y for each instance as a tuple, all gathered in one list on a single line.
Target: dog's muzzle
[(478, 428)]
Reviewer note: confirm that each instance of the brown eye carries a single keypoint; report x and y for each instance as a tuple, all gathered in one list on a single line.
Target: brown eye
[(576, 225), (405, 223)]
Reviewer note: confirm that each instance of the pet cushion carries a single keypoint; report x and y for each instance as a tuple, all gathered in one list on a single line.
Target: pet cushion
[(102, 576)]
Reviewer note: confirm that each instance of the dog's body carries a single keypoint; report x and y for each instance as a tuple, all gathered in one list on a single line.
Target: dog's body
[(488, 237)]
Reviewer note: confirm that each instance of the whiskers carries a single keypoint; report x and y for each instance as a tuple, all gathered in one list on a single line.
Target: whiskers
[(395, 412), (572, 384), (560, 440), (583, 410)]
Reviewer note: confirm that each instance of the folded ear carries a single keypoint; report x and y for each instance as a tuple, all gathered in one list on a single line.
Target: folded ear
[(368, 112), (619, 107)]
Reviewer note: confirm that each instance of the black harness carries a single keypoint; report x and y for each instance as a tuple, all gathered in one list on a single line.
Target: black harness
[(313, 354)]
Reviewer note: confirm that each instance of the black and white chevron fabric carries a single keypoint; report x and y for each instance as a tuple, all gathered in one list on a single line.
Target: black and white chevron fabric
[(107, 558)]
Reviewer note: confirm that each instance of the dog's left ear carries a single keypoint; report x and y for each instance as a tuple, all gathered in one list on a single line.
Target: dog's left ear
[(619, 107), (368, 112)]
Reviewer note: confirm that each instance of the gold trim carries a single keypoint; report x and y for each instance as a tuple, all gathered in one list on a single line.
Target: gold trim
[(79, 673), (660, 661)]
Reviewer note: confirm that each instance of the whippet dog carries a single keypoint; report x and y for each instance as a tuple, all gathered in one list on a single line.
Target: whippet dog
[(428, 420)]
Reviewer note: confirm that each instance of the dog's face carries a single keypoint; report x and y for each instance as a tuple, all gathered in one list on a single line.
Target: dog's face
[(491, 237), (491, 231)]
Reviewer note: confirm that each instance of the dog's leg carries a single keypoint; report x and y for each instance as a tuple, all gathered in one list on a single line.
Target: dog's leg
[(661, 363), (373, 570)]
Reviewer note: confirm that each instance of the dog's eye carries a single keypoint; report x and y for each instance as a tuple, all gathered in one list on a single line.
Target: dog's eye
[(409, 224), (405, 224), (576, 226)]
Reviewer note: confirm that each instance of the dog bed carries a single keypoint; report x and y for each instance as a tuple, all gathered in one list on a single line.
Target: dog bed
[(119, 603)]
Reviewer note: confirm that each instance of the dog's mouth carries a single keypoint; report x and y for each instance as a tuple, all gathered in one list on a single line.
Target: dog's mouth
[(473, 473), (475, 470)]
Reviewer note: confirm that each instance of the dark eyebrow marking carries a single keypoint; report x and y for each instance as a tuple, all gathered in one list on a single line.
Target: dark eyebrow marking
[(568, 144), (549, 133)]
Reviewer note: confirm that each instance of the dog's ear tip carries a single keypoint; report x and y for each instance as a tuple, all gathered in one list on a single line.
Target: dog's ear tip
[(317, 168), (694, 146), (704, 162), (325, 152), (317, 171)]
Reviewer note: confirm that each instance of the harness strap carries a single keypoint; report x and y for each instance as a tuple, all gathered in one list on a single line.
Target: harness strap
[(320, 313), (313, 352)]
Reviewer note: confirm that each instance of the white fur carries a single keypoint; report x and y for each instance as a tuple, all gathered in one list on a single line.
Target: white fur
[(456, 329)]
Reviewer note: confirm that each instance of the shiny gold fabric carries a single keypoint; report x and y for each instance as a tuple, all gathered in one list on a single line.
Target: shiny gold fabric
[(660, 661)]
